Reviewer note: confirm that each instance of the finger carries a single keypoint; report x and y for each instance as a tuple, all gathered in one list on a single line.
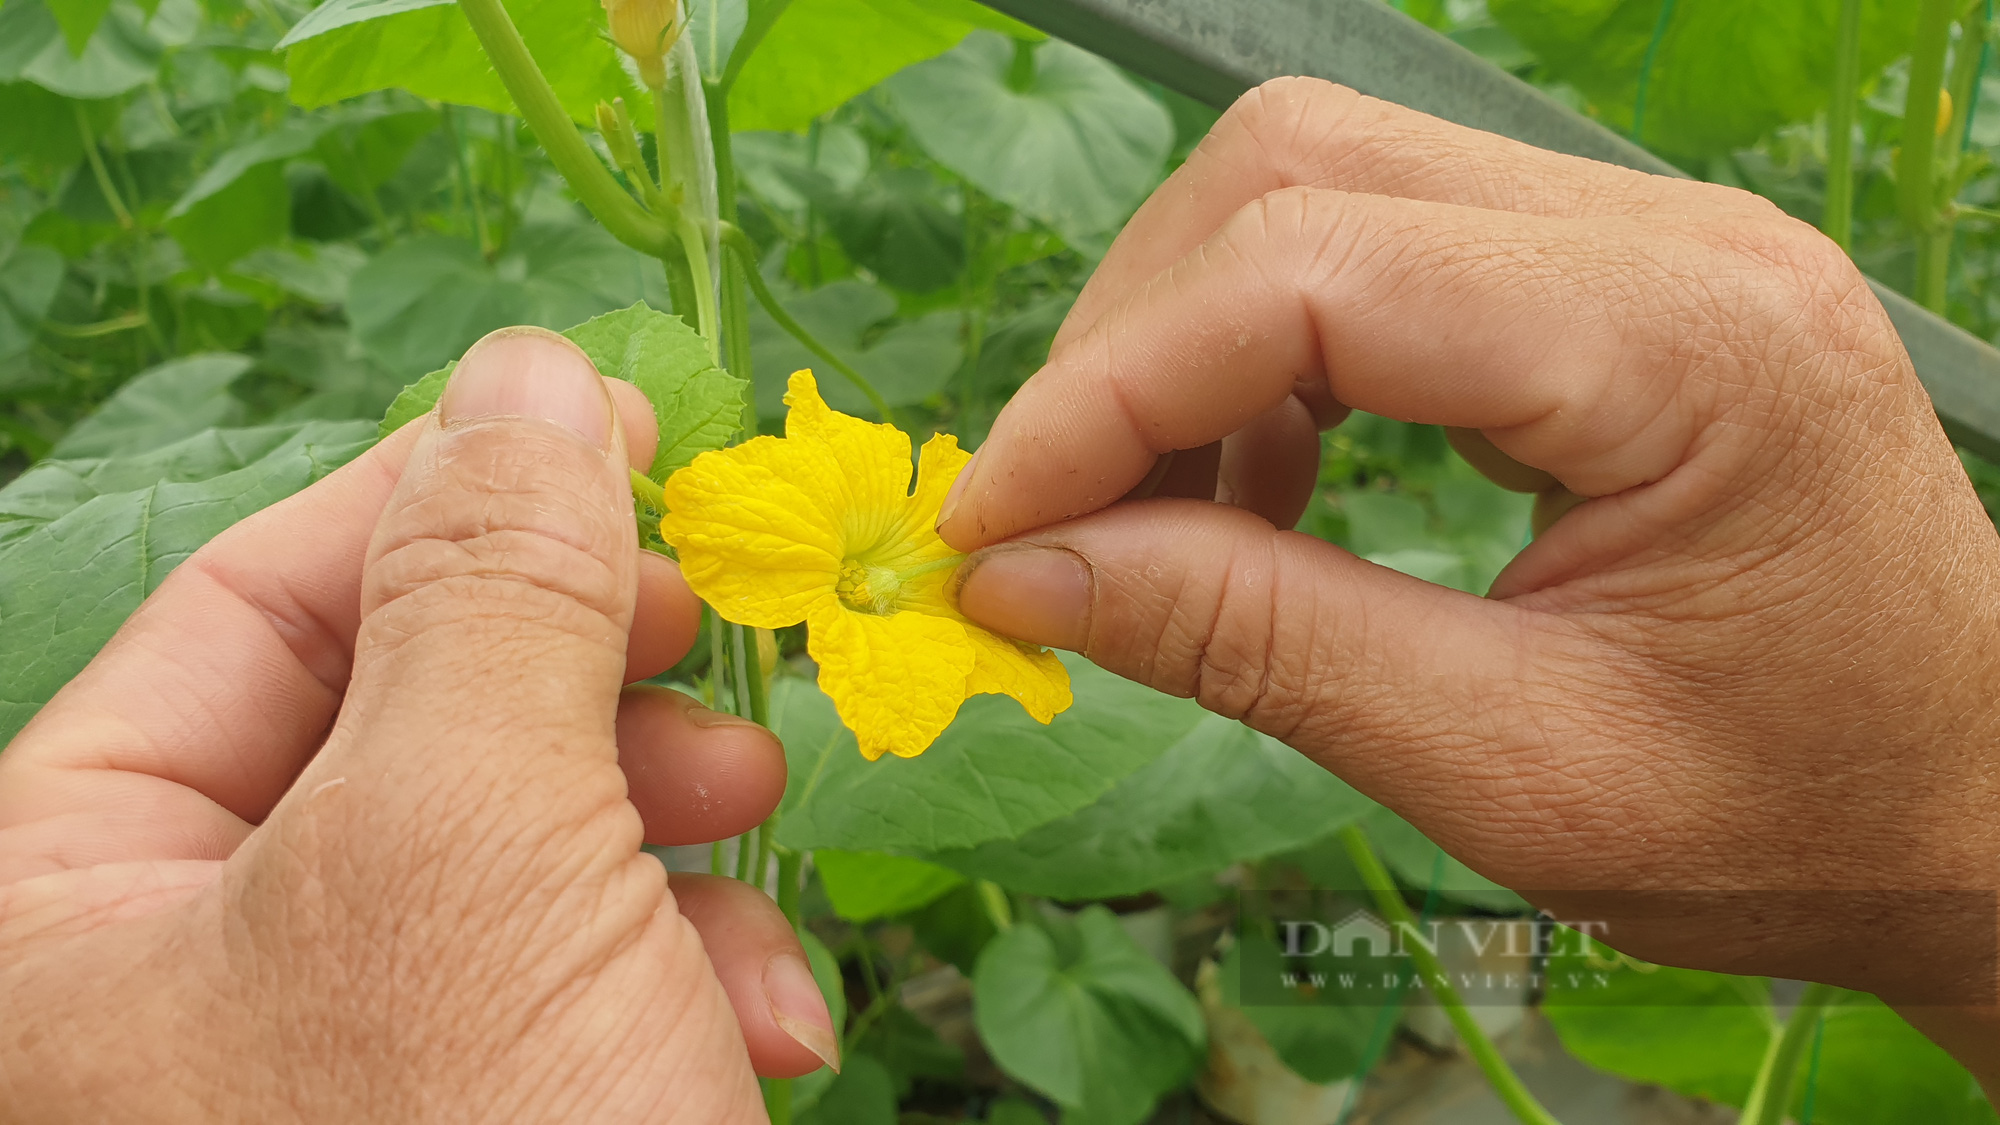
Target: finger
[(695, 775), (770, 984), (1555, 338), (1270, 467), (1303, 132), (184, 731), (1290, 634), (665, 619), (1480, 452)]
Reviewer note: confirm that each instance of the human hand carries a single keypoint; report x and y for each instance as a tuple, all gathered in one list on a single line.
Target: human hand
[(1758, 656), (344, 824)]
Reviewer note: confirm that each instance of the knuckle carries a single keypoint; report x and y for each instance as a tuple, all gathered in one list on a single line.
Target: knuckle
[(506, 526)]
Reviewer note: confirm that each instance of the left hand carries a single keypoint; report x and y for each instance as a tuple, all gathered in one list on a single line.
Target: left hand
[(345, 822)]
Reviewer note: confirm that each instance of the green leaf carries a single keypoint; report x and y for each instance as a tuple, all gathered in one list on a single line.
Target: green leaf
[(909, 1049), (51, 489), (1320, 1042), (1078, 145), (864, 1093), (430, 51), (69, 582), (159, 405), (121, 54), (826, 973), (38, 128), (1701, 1034), (318, 272), (714, 26), (994, 773), (423, 301), (29, 278), (1222, 793), (336, 14), (698, 406), (79, 20), (954, 927), (1725, 72), (895, 224), (864, 886), (287, 140), (1089, 1020), (820, 53), (254, 209), (908, 362), (1875, 1069)]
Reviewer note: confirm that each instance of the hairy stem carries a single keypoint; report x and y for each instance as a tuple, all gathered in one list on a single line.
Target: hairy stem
[(1389, 900), (586, 174)]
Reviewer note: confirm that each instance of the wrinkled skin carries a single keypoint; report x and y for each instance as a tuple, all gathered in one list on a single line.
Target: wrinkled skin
[(1759, 655), (345, 823)]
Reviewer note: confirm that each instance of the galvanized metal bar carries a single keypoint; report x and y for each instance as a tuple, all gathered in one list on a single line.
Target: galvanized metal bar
[(1214, 50)]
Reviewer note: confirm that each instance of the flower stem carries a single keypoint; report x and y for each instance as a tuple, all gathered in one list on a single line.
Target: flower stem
[(97, 169), (1837, 220), (1916, 162), (586, 174), (1771, 1093), (1389, 900), (684, 191), (644, 489), (734, 238)]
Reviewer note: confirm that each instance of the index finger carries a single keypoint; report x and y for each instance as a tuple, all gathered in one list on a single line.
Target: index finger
[(1571, 343), (1304, 132)]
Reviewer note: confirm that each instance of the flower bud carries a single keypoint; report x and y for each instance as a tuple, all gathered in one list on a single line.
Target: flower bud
[(644, 29)]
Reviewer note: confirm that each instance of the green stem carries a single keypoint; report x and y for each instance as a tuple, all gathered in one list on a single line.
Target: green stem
[(746, 853), (644, 488), (1771, 1093), (587, 176), (763, 863), (1838, 218), (1916, 162), (470, 186), (718, 665), (1389, 900), (110, 327), (734, 238), (97, 168), (674, 135), (789, 865), (998, 910)]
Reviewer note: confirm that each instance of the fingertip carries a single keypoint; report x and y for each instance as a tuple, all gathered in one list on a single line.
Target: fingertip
[(784, 1017), (636, 418), (693, 774), (666, 617)]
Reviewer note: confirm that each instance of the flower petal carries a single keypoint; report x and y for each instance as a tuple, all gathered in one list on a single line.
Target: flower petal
[(870, 489), (751, 542), (914, 541), (897, 681), (1029, 673)]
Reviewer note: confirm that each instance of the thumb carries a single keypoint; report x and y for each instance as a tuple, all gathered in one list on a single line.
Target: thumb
[(1376, 675), (473, 764)]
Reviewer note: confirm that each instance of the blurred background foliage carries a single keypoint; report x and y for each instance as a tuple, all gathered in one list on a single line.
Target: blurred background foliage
[(219, 261)]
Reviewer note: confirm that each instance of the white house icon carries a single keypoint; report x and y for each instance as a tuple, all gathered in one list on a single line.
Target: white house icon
[(1359, 928)]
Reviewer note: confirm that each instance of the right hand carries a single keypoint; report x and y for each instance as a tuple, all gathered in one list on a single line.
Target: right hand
[(1760, 655)]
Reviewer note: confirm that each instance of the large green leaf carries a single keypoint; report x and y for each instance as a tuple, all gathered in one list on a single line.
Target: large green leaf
[(994, 773), (423, 301), (864, 1093), (162, 404), (1702, 1034), (864, 886), (908, 363), (1066, 138), (120, 54), (1222, 793), (1875, 1069), (1724, 73), (697, 405), (822, 52), (71, 580), (253, 209), (350, 48), (1086, 1017)]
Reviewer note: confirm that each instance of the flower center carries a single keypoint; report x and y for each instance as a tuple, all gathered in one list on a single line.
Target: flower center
[(876, 589), (868, 589)]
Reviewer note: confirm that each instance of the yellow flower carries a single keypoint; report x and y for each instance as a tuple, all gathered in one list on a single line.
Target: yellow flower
[(820, 526), (642, 29)]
